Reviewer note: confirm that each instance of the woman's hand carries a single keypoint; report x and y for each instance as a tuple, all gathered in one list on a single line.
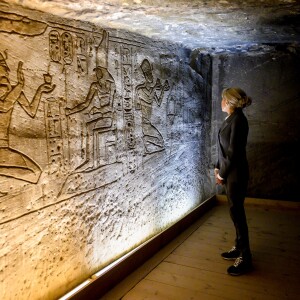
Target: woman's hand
[(217, 178), (219, 181)]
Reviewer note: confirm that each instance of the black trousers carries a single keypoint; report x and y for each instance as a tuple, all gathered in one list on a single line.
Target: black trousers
[(236, 192)]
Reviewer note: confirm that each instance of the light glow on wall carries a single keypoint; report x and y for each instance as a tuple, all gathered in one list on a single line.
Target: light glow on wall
[(74, 291)]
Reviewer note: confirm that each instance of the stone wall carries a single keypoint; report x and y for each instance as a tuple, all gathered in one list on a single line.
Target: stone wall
[(104, 139), (270, 75)]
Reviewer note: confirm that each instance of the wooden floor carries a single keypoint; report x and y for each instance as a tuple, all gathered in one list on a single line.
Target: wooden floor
[(190, 267)]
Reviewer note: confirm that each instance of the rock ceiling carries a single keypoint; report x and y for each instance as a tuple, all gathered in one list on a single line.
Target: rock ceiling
[(192, 23)]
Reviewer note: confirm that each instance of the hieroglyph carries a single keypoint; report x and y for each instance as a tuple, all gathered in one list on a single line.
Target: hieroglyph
[(76, 110)]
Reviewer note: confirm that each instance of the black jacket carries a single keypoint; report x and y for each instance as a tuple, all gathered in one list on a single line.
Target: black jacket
[(232, 139)]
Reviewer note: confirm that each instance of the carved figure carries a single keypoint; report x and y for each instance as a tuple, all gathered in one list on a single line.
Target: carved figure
[(98, 107), (145, 94), (13, 163)]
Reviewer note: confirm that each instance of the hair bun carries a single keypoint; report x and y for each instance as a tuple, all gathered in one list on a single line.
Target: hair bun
[(236, 97), (246, 101)]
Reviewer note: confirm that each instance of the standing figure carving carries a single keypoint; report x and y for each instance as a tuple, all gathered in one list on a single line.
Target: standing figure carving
[(13, 163), (145, 94)]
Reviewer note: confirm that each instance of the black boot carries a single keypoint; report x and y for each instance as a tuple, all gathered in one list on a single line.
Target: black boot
[(232, 254), (240, 266)]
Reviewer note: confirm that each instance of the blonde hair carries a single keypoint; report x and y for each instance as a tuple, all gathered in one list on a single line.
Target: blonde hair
[(236, 97)]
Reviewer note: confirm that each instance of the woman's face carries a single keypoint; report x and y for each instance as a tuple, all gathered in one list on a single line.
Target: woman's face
[(224, 105)]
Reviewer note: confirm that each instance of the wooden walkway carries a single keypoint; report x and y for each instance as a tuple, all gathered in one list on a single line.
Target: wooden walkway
[(190, 267)]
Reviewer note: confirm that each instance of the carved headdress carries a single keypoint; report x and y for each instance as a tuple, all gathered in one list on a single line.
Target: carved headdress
[(102, 51), (146, 66)]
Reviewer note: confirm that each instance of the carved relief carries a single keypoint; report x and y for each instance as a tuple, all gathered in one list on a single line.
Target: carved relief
[(14, 163), (61, 49), (169, 68), (128, 114), (129, 125), (13, 23), (98, 139), (98, 110), (81, 64), (97, 107), (54, 45), (171, 108), (94, 107), (81, 45), (82, 155), (56, 139), (67, 48), (146, 94)]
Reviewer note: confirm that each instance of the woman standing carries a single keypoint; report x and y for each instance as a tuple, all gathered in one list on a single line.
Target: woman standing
[(232, 170)]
